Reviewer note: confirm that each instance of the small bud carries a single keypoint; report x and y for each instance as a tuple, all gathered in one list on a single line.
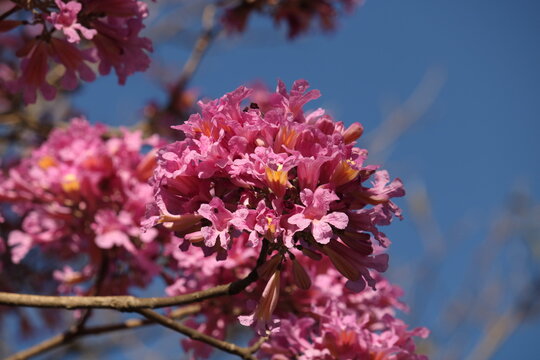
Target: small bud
[(145, 169), (311, 254), (343, 174), (268, 268), (194, 237), (300, 275), (353, 133), (342, 265)]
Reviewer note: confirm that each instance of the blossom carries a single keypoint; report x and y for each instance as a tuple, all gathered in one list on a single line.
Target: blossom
[(315, 214), (267, 304), (66, 20), (221, 219), (112, 29), (82, 196), (337, 324), (298, 15)]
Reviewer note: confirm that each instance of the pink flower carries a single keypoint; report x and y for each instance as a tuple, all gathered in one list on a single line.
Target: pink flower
[(66, 20), (316, 214), (112, 28), (221, 220), (341, 325), (262, 315)]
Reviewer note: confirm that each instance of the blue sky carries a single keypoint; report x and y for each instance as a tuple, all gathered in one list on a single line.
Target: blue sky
[(475, 143)]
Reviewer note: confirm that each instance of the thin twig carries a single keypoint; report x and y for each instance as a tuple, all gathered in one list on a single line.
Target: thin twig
[(199, 49), (96, 289), (9, 12), (404, 116), (257, 345), (244, 353), (503, 326), (70, 336)]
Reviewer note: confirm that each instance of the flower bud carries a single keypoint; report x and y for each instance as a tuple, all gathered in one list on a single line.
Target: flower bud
[(353, 133), (301, 277)]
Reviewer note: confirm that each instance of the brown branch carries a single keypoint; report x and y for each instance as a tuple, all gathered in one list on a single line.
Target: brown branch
[(257, 345), (199, 49), (96, 289), (244, 353), (129, 303), (498, 330), (10, 12), (122, 303), (42, 347), (71, 335)]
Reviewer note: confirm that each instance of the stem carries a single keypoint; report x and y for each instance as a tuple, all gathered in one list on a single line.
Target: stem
[(9, 12), (194, 60), (244, 353), (70, 336)]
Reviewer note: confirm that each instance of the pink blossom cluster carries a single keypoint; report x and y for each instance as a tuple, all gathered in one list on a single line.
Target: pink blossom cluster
[(189, 270), (326, 321), (267, 171), (76, 34), (297, 14), (329, 322), (81, 196)]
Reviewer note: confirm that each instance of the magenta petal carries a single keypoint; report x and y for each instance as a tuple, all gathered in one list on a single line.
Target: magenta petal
[(356, 286)]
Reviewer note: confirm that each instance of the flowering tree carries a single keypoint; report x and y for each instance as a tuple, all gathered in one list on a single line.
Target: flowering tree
[(253, 211)]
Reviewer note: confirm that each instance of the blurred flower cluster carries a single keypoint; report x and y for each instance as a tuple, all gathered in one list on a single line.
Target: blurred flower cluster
[(75, 35), (297, 14), (81, 198)]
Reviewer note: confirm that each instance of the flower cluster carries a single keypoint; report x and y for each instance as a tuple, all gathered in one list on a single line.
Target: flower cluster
[(191, 271), (297, 14), (268, 172), (334, 323), (82, 196), (325, 321), (75, 34)]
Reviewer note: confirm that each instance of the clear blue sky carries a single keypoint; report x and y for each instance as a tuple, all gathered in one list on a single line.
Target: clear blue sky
[(475, 143)]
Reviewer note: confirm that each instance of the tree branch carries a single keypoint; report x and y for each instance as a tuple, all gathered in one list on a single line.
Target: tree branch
[(199, 49), (10, 12), (122, 303), (70, 336), (130, 303), (244, 353)]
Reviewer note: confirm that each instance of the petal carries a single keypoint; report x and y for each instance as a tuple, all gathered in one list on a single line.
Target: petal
[(337, 219), (300, 221), (322, 232), (210, 235)]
